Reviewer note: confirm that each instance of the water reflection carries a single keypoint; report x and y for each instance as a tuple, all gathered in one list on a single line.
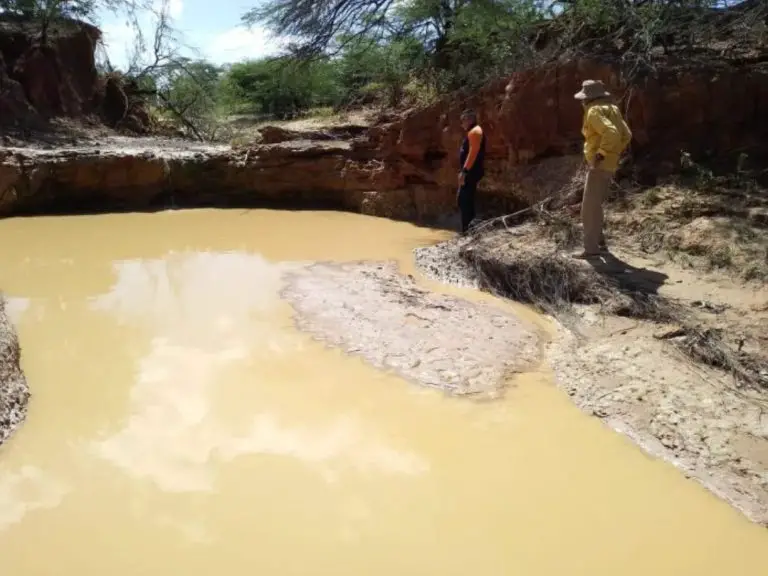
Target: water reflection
[(214, 318), (15, 308), (26, 490), (203, 434)]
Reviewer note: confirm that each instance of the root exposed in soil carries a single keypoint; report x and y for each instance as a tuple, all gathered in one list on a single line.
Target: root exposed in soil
[(528, 264), (707, 346), (541, 275)]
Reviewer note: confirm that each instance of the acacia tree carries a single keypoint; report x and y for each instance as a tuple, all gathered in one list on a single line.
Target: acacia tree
[(46, 12), (321, 25), (160, 71), (314, 25), (448, 30), (469, 39)]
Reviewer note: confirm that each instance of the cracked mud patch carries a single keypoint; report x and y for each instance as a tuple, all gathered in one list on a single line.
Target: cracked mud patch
[(440, 341)]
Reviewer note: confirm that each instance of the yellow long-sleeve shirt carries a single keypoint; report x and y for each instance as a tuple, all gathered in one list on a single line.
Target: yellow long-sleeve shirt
[(606, 132)]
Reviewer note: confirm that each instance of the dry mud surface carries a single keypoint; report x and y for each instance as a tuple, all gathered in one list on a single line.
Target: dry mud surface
[(14, 394), (694, 417), (120, 146), (370, 310), (690, 416)]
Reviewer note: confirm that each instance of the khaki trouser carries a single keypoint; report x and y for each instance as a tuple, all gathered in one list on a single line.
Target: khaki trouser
[(595, 191)]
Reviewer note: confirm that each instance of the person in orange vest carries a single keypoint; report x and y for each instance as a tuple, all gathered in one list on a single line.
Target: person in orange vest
[(606, 136), (472, 162)]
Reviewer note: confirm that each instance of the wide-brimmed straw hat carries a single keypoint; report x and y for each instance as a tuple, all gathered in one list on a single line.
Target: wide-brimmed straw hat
[(591, 90)]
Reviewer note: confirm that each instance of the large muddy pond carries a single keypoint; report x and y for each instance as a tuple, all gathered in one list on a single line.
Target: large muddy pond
[(181, 423)]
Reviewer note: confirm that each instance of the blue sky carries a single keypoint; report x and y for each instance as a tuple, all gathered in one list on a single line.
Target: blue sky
[(211, 27)]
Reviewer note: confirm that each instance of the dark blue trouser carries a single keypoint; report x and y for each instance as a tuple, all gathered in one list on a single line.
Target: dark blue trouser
[(466, 200)]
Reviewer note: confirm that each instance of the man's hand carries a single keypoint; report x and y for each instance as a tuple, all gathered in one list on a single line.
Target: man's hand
[(462, 178)]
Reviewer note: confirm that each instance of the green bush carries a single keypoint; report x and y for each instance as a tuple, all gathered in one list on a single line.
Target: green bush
[(279, 87)]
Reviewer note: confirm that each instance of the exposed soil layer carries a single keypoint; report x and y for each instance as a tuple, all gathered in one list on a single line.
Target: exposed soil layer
[(121, 173), (370, 310), (404, 166), (14, 393), (40, 81), (703, 420)]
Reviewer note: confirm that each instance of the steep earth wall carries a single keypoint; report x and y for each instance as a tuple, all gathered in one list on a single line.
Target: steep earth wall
[(533, 125), (406, 168), (41, 81), (134, 174)]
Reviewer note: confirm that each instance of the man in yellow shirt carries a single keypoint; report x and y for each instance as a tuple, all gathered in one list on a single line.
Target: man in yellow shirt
[(606, 136)]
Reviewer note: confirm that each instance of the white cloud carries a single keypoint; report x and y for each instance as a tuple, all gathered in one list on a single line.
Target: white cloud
[(26, 490), (219, 46), (241, 43), (118, 40), (119, 37), (175, 7)]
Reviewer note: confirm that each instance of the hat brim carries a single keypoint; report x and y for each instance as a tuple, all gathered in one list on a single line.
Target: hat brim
[(584, 96)]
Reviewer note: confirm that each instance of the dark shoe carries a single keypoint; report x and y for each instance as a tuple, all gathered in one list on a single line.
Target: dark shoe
[(587, 256)]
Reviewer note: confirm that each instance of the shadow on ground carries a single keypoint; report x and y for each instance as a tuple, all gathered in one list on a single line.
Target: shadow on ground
[(628, 277)]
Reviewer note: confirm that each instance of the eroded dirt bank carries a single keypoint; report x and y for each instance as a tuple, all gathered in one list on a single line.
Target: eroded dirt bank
[(404, 165), (14, 393), (310, 170), (135, 174)]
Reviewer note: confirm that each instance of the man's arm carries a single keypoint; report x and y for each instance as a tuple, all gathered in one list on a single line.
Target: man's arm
[(610, 138), (475, 137)]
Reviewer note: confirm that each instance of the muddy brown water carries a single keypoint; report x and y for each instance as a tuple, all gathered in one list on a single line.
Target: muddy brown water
[(180, 424)]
